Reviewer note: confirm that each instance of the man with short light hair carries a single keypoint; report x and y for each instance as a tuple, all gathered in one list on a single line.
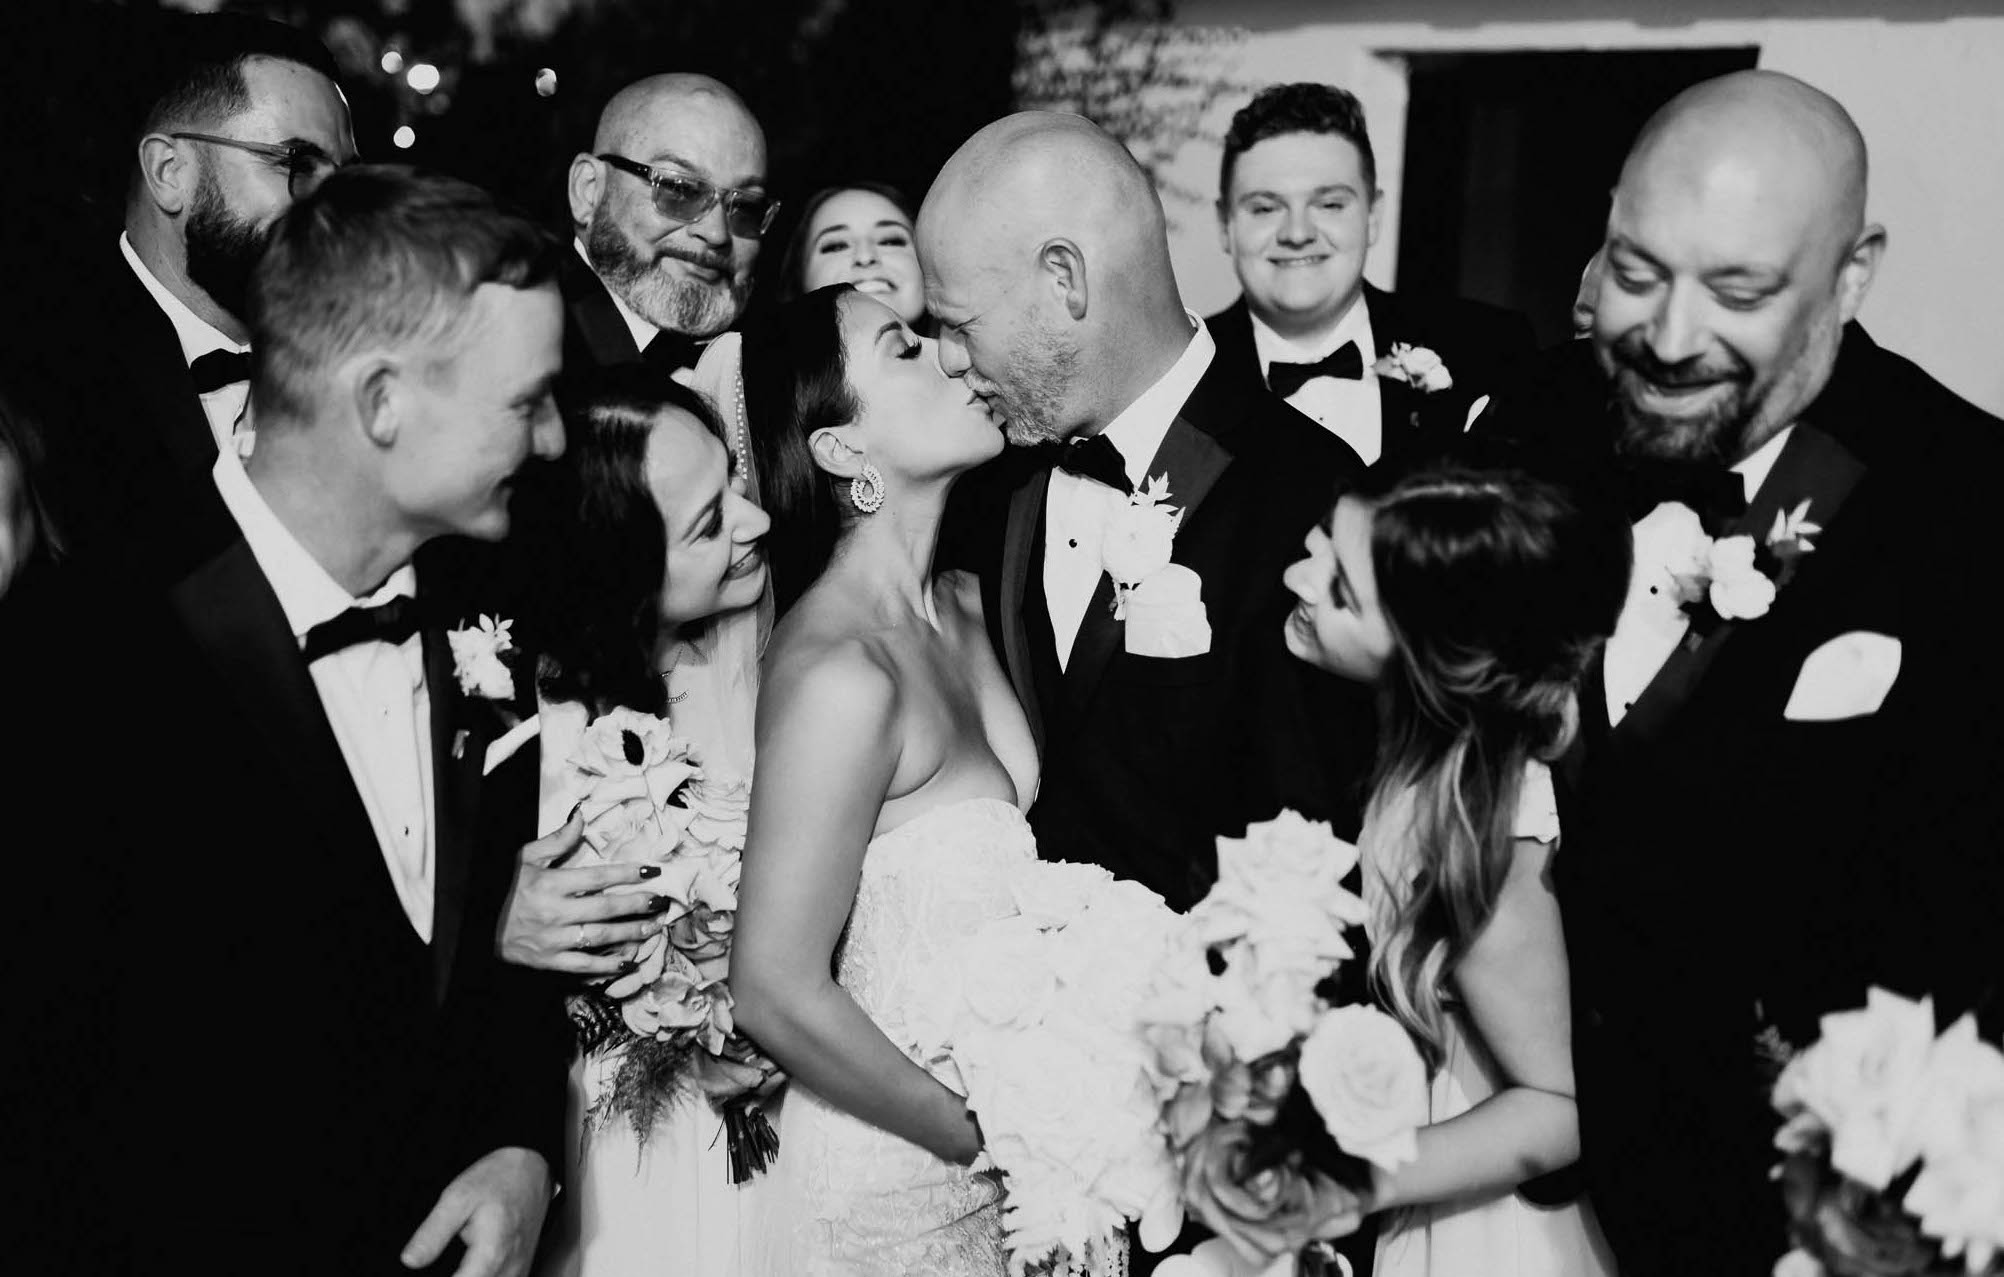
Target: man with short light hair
[(1298, 211), (326, 1064), (1783, 793), (669, 209)]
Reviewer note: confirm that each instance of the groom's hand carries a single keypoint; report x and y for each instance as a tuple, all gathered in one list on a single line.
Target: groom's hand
[(496, 1207), (561, 919)]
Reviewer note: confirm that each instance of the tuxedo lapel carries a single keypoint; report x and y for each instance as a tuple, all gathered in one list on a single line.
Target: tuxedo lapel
[(1192, 459), (596, 334), (1019, 555), (157, 376), (1813, 467), (458, 750), (236, 622)]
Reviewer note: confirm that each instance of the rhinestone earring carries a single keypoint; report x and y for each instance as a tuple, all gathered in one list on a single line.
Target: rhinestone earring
[(866, 490)]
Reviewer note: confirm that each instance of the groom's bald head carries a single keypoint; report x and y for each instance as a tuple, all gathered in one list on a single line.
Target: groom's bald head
[(1047, 261)]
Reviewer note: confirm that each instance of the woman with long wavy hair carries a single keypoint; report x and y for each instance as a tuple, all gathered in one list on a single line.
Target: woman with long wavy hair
[(1473, 596)]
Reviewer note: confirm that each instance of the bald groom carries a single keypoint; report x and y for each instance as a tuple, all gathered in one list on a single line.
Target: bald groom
[(1765, 816)]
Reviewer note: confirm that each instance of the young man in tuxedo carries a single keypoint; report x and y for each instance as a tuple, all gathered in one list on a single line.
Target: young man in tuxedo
[(1298, 210), (669, 210), (1058, 306), (246, 120), (315, 1061), (1769, 812)]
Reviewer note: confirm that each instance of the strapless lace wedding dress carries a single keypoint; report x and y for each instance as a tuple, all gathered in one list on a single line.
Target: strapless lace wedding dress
[(845, 1196)]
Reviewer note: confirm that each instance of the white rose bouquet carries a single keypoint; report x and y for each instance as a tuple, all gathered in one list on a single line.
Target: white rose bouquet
[(647, 799), (1037, 1013), (1893, 1147), (1276, 1101)]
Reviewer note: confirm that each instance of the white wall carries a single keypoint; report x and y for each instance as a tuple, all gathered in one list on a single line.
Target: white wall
[(1926, 87)]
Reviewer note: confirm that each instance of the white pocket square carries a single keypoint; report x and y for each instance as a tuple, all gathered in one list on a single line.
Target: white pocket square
[(1848, 677), (1166, 617), (1474, 414), (504, 746)]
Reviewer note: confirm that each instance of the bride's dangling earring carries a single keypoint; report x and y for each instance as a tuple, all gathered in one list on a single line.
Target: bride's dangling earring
[(866, 490)]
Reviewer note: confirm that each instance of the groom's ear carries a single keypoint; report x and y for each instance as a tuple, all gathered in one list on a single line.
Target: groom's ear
[(1860, 266), (168, 171), (1064, 269), (378, 398), (833, 452)]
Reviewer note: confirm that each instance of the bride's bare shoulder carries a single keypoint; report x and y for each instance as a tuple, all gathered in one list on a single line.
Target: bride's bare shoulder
[(814, 664)]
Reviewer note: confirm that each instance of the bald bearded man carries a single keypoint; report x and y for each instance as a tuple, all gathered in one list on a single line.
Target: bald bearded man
[(669, 210), (1047, 267), (1770, 810)]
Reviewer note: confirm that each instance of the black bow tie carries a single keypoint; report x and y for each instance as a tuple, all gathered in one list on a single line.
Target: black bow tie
[(219, 368), (1096, 459), (1714, 492), (1346, 361), (670, 351), (390, 622)]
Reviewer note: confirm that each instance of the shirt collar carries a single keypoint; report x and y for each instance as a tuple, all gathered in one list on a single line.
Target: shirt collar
[(1140, 427), (198, 336), (305, 592), (643, 332), (1754, 470), (1355, 325)]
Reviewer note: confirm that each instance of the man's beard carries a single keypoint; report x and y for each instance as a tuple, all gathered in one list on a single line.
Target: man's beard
[(1045, 367), (1709, 437), (685, 306), (223, 248)]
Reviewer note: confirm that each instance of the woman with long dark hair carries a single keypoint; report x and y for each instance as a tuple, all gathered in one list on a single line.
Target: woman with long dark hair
[(894, 769), (1472, 596), (636, 545), (857, 233)]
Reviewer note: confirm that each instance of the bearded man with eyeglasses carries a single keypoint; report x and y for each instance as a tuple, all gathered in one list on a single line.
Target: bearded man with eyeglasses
[(669, 209), (149, 349)]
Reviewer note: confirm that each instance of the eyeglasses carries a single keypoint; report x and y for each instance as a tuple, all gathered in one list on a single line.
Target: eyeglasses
[(305, 167), (682, 198)]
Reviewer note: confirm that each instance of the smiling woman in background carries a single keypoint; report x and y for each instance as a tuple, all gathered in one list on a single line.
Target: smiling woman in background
[(857, 233)]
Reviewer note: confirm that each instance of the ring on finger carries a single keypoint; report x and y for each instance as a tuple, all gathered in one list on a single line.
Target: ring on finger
[(581, 937)]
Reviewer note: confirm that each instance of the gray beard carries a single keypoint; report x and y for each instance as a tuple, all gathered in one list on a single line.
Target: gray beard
[(677, 305)]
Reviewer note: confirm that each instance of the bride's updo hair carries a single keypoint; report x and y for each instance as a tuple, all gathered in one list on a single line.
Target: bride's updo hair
[(796, 382), (1498, 587), (590, 543)]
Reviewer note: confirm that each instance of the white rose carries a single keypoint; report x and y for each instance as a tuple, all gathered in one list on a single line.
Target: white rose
[(1798, 1263), (1860, 1078), (1139, 541), (1739, 591), (1261, 1011), (476, 658), (718, 810), (1367, 1081), (1051, 892), (1959, 1126), (1006, 977), (1436, 378)]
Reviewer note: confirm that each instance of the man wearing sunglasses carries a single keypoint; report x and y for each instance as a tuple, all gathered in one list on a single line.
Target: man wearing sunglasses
[(669, 208), (245, 118)]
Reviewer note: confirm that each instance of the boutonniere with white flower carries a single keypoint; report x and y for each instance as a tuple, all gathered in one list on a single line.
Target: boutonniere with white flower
[(1729, 578), (1160, 602), (476, 658), (1417, 366)]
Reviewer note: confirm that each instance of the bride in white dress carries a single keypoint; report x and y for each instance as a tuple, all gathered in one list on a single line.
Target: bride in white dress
[(894, 765), (1474, 598), (649, 583)]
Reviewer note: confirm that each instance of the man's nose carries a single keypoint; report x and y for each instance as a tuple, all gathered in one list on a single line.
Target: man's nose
[(713, 227), (1297, 227), (1677, 331), (952, 357)]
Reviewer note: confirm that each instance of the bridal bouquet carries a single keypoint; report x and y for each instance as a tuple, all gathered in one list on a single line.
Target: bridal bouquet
[(1893, 1146), (1037, 1013), (646, 799), (1276, 1101)]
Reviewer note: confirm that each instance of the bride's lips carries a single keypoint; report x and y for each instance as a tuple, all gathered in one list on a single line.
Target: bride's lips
[(875, 285), (744, 565)]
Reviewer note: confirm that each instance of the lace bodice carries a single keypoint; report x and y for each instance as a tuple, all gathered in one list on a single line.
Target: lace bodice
[(926, 884)]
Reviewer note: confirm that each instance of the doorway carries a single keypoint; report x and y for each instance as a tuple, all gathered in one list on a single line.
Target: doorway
[(1509, 160)]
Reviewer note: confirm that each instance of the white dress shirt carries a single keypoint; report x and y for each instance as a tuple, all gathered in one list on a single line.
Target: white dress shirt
[(1350, 410), (1076, 510), (1649, 631), (223, 406), (373, 692)]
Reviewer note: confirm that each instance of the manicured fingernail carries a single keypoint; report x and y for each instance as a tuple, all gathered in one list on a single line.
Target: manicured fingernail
[(655, 904), (650, 871), (629, 965)]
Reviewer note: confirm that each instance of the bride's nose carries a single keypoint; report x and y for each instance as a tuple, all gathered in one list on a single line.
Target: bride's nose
[(1296, 579)]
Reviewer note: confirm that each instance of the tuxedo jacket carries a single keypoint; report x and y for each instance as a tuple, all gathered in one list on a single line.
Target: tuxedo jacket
[(1481, 345), (1730, 870), (1147, 760), (128, 446), (254, 1062)]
